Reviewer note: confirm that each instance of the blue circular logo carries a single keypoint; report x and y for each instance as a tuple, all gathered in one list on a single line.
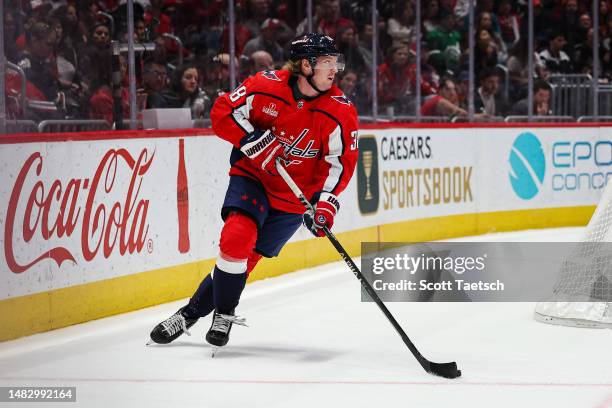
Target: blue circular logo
[(527, 166)]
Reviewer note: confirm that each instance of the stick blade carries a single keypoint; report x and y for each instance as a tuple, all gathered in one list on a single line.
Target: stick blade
[(446, 370)]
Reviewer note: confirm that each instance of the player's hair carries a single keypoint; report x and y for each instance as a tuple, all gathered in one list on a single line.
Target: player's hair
[(292, 66)]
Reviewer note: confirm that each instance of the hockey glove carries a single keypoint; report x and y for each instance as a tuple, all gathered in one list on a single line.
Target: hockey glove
[(262, 148), (324, 212)]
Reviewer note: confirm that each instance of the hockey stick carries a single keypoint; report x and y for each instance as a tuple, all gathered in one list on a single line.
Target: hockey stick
[(446, 370)]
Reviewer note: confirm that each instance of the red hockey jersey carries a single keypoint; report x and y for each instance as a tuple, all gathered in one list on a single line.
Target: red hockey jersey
[(321, 135)]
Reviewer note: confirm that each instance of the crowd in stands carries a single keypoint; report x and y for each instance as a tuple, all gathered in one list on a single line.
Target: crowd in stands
[(63, 46)]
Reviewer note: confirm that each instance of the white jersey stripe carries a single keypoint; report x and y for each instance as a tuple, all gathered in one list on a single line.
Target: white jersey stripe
[(241, 115), (333, 158)]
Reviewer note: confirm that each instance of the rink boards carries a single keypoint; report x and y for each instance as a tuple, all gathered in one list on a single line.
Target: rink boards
[(103, 223)]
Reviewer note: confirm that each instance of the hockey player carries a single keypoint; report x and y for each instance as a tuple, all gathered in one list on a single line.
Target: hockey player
[(297, 114)]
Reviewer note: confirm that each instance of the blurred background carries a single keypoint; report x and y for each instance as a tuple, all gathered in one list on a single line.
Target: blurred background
[(97, 64)]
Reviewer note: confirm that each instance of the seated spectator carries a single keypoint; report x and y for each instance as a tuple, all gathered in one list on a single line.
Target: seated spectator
[(266, 41), (487, 21), (518, 69), (430, 79), (445, 38), (541, 101), (583, 55), (485, 52), (261, 61), (217, 75), (508, 22), (37, 60), (446, 103), (98, 44), (353, 53), (566, 18), (364, 40), (101, 104), (10, 36), (394, 80), (257, 11), (332, 20), (242, 34), (430, 17), (584, 25), (317, 16), (401, 26), (348, 82), (554, 58), (184, 92), (154, 79), (487, 99)]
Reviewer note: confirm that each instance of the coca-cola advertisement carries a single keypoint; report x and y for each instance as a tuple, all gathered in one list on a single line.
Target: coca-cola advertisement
[(81, 211)]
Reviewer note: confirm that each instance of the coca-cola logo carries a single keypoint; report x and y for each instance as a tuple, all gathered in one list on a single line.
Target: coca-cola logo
[(54, 210)]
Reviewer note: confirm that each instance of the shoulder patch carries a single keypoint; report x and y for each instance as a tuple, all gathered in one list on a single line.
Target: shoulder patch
[(271, 75), (342, 99)]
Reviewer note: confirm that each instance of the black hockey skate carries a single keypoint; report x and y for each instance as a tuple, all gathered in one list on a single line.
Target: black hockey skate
[(218, 335), (171, 328)]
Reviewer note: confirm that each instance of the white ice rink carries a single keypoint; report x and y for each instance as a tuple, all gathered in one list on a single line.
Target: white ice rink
[(312, 343)]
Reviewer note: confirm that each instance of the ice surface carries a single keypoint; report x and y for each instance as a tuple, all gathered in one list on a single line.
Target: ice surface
[(313, 343)]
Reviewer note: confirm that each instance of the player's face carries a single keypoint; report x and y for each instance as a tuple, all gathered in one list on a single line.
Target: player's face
[(325, 71)]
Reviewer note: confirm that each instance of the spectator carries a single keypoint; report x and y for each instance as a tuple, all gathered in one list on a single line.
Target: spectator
[(353, 88), (541, 101), (430, 80), (72, 37), (567, 19), (317, 16), (158, 22), (583, 55), (444, 104), (445, 39), (485, 21), (258, 11), (37, 60), (485, 53), (430, 19), (332, 20), (487, 99), (266, 41), (242, 33), (154, 80), (508, 22), (217, 78), (394, 80), (101, 103), (554, 58), (10, 36), (606, 49), (518, 69), (353, 53), (262, 61), (401, 26), (584, 25), (364, 40), (184, 92), (98, 44)]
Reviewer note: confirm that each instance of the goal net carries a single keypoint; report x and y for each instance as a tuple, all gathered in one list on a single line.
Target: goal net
[(582, 295)]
